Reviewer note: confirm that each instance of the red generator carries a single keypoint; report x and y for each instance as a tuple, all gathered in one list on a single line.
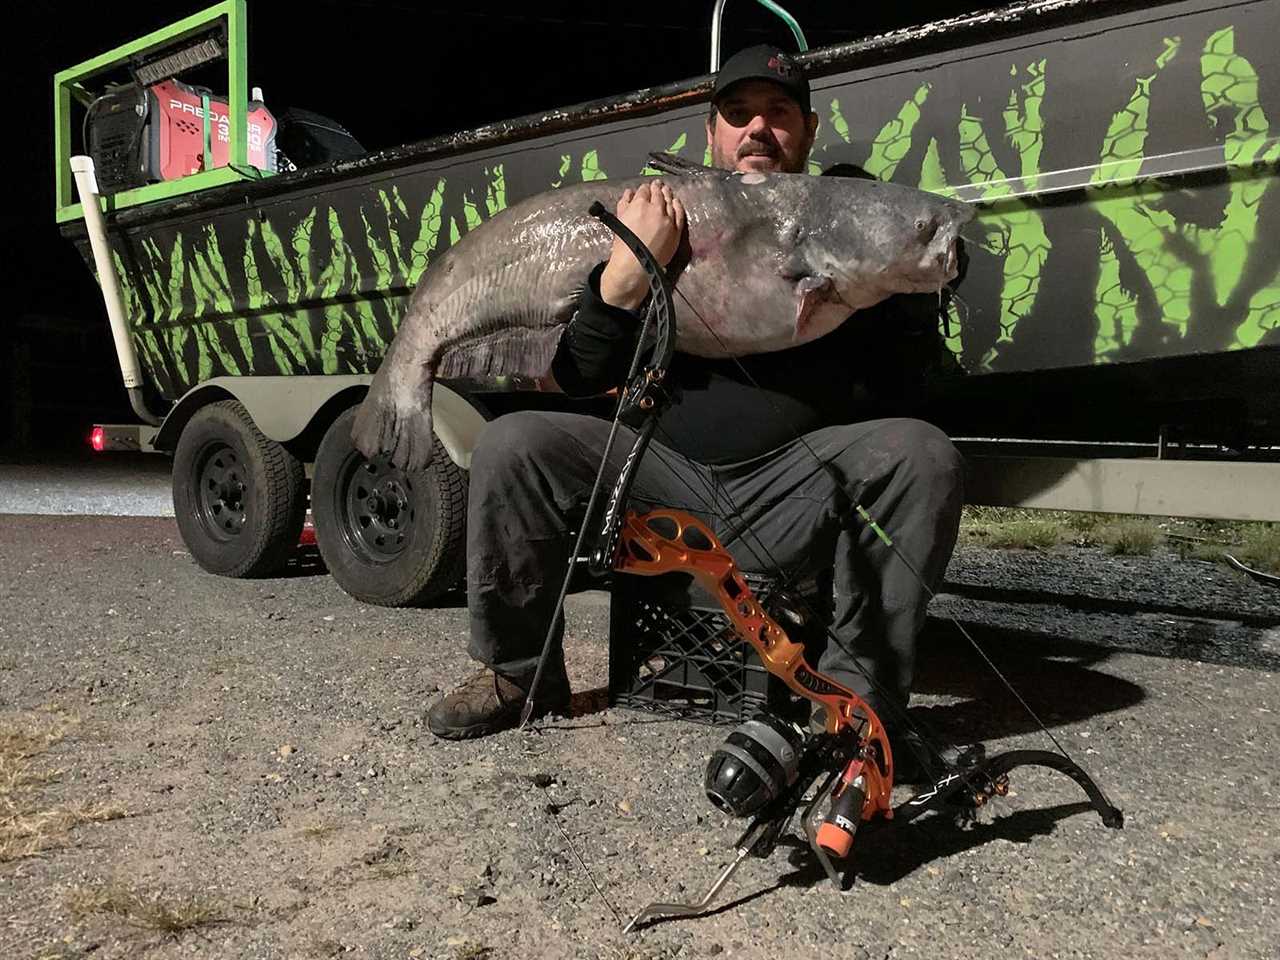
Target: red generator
[(176, 131), (138, 135)]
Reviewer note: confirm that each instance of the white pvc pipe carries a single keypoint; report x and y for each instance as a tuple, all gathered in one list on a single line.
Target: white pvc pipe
[(87, 187)]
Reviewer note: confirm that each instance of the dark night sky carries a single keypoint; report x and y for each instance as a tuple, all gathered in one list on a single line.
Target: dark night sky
[(392, 72)]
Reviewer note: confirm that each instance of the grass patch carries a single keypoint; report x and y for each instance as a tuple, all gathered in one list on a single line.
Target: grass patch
[(27, 736), (384, 871), (1260, 548), (27, 834), (1130, 537), (1025, 535), (319, 831), (147, 910), (1004, 529), (1198, 548), (28, 825), (1254, 544), (1014, 527)]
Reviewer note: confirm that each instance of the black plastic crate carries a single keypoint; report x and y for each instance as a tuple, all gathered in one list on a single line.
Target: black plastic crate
[(673, 652)]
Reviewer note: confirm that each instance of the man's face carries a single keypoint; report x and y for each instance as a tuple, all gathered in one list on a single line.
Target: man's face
[(760, 129)]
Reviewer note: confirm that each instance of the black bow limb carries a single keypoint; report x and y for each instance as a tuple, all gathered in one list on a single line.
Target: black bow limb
[(972, 787), (644, 398)]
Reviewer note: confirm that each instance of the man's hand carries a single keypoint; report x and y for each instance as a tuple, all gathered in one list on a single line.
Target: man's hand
[(654, 215)]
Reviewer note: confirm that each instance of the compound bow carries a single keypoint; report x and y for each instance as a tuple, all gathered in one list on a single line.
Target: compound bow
[(767, 766)]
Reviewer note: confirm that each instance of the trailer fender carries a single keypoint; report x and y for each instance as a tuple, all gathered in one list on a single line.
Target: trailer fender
[(283, 407)]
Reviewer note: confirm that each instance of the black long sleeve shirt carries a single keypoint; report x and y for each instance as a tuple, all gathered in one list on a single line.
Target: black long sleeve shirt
[(877, 363)]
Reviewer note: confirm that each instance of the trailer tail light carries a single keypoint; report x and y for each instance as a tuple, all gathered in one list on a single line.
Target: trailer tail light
[(122, 436)]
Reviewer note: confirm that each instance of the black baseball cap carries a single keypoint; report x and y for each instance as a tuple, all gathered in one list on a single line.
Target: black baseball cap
[(763, 62)]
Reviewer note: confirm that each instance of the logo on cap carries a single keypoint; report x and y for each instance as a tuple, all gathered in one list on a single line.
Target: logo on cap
[(779, 66)]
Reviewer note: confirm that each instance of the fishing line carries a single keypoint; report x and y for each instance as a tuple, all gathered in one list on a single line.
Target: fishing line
[(552, 809)]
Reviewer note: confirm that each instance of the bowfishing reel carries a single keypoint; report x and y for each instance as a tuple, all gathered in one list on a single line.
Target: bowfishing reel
[(756, 764)]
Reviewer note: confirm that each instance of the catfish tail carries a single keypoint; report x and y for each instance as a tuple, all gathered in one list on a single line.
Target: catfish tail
[(396, 422)]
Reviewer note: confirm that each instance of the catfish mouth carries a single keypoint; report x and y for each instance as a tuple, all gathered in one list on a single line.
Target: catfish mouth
[(940, 262), (938, 267)]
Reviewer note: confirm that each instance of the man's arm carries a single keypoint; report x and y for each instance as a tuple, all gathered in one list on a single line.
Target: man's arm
[(595, 351), (596, 348)]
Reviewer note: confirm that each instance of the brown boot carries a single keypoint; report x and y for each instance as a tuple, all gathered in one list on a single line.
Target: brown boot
[(489, 703)]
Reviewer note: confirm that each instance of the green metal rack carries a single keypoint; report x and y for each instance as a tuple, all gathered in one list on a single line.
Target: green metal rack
[(77, 82)]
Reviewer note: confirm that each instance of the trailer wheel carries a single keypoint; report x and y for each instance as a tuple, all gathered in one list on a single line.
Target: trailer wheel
[(390, 538), (239, 497)]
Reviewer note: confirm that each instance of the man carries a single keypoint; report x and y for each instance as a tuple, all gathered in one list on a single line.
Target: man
[(730, 452)]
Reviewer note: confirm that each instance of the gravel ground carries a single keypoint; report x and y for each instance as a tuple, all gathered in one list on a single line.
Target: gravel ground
[(267, 739), (114, 485)]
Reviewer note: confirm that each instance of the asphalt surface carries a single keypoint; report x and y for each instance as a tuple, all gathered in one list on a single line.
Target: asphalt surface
[(267, 738)]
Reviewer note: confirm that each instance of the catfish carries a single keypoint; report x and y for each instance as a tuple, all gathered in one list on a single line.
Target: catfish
[(770, 261)]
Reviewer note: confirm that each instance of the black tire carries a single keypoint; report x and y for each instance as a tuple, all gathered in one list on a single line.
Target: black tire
[(389, 538), (240, 499)]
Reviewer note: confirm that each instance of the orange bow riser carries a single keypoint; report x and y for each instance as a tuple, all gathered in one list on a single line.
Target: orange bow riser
[(666, 541)]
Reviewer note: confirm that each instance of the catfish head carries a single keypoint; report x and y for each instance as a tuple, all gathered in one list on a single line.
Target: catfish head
[(863, 241)]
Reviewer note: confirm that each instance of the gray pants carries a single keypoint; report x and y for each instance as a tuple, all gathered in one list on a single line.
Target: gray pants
[(531, 476)]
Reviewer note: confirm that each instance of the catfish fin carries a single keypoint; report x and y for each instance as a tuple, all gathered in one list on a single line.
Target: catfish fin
[(812, 293), (665, 162), (515, 351)]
